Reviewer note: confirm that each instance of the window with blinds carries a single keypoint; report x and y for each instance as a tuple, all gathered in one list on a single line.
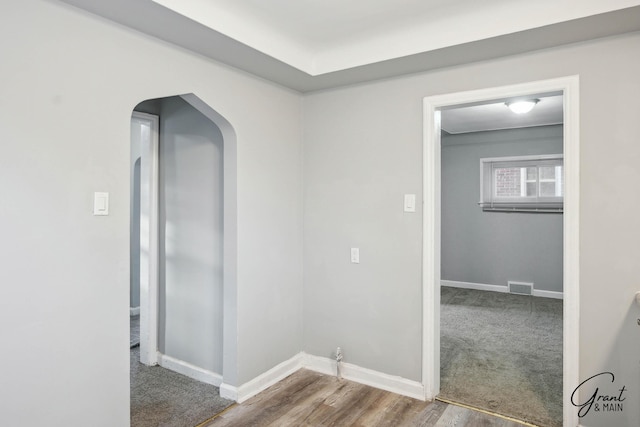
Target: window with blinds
[(522, 184)]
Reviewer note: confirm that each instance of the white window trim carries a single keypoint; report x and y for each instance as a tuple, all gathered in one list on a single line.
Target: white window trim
[(519, 204)]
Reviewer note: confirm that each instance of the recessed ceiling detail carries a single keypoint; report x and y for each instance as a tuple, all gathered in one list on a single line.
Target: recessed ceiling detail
[(315, 44), (323, 36)]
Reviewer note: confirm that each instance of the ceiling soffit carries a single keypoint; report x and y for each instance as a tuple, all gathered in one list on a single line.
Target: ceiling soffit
[(295, 66)]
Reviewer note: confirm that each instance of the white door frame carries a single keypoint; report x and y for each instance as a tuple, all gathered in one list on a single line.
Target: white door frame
[(149, 241), (571, 228)]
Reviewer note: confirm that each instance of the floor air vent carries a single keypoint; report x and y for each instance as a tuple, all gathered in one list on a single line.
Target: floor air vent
[(520, 288)]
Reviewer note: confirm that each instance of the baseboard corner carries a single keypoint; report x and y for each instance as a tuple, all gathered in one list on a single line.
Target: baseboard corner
[(268, 378), (229, 392), (323, 365)]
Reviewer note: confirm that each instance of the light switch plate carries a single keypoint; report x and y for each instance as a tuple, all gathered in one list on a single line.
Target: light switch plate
[(355, 255), (100, 204), (409, 202)]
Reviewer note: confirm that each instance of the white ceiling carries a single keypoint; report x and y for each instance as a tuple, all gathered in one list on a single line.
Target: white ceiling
[(322, 36), (495, 116), (315, 44)]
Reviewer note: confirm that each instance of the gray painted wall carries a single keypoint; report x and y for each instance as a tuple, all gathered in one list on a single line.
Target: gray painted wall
[(495, 247), (363, 151), (73, 267), (191, 204)]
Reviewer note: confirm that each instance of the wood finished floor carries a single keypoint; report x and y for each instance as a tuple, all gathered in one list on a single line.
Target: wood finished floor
[(307, 398)]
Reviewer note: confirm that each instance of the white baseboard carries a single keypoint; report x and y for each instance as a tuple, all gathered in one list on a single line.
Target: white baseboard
[(325, 366), (267, 379), (547, 294), (477, 286), (497, 288), (392, 383), (189, 370), (134, 311), (229, 392)]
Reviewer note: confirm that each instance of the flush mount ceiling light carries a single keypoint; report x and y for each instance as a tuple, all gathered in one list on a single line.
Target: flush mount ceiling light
[(522, 106)]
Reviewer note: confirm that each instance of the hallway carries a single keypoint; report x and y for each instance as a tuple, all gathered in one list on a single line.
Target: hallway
[(160, 397)]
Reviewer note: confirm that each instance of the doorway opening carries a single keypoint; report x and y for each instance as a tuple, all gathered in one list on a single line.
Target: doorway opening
[(568, 88), (183, 234), (501, 259)]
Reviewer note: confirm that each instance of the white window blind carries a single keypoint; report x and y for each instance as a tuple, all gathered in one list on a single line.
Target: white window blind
[(524, 183)]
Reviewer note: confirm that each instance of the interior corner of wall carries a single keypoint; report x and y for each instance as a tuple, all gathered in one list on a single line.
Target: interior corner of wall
[(229, 392)]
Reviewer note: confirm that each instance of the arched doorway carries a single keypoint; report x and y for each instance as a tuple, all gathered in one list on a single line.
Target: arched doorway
[(187, 237)]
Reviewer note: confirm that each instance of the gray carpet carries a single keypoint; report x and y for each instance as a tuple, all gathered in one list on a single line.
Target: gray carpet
[(503, 353), (160, 397), (134, 335)]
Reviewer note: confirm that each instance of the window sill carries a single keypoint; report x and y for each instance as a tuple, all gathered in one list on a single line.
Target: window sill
[(524, 208)]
